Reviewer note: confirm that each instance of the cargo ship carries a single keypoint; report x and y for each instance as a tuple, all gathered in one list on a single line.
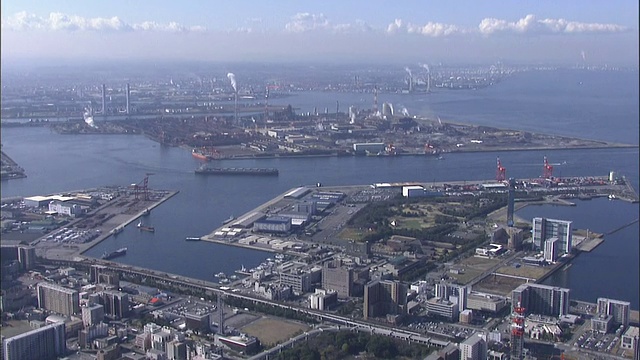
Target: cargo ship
[(228, 220), (146, 228), (114, 254), (205, 154), (237, 171), (199, 154)]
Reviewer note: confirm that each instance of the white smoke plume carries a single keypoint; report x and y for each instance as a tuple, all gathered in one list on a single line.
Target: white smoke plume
[(405, 112), (426, 67), (584, 56), (232, 78), (88, 118), (408, 71)]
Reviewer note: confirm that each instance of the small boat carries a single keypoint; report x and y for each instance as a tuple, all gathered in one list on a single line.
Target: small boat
[(146, 228), (220, 275), (192, 238)]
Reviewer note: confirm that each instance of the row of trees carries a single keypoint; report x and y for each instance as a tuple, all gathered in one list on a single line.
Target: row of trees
[(344, 344)]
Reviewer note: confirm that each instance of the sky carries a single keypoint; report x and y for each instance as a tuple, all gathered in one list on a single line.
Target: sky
[(592, 32)]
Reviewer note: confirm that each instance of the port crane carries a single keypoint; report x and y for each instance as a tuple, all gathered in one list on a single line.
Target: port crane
[(547, 169), (501, 171), (142, 188)]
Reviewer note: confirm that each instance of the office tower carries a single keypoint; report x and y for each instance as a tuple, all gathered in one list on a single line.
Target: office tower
[(544, 229), (26, 257), (541, 299), (473, 348), (47, 342), (384, 297), (104, 99), (116, 304), (128, 93), (620, 310), (337, 277), (92, 315), (58, 299)]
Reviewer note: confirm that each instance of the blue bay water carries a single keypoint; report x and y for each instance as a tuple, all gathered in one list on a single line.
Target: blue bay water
[(57, 163)]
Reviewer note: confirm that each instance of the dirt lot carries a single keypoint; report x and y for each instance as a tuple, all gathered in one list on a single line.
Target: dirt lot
[(271, 331), (500, 285)]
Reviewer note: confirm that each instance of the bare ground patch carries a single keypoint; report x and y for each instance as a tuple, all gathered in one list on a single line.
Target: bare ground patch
[(271, 331)]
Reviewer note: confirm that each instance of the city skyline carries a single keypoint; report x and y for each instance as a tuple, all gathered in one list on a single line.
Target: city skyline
[(433, 32)]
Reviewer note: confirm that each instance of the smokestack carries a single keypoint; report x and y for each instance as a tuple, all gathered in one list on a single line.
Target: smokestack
[(337, 109), (104, 99), (232, 79), (128, 93)]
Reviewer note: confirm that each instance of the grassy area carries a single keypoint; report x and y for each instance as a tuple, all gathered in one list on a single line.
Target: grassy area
[(411, 223), (271, 331), (468, 275), (531, 272), (479, 262), (352, 234)]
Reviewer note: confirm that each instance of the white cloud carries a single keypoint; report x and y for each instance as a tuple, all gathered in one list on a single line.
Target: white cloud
[(57, 21), (303, 22), (431, 29), (530, 25)]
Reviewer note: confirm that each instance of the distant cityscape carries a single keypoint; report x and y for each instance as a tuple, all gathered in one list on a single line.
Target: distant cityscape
[(430, 270)]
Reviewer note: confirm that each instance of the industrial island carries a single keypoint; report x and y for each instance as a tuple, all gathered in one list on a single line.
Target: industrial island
[(425, 264)]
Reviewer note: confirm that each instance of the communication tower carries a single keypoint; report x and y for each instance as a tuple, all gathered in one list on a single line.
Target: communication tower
[(220, 315), (501, 172), (375, 100), (511, 201), (128, 93), (517, 332), (547, 170)]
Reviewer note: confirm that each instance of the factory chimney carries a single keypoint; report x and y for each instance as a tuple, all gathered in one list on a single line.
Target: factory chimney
[(104, 99), (128, 93)]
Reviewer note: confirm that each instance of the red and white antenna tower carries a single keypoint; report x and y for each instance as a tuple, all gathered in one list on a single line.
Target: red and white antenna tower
[(547, 170), (501, 172), (517, 332)]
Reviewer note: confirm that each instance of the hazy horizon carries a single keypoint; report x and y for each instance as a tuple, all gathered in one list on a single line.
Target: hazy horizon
[(346, 32)]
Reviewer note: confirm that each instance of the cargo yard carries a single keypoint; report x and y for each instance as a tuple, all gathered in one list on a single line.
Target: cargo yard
[(64, 226)]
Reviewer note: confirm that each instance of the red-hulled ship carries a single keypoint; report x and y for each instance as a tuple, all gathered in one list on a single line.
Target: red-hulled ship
[(205, 154)]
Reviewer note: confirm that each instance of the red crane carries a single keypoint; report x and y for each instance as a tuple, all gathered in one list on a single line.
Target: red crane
[(142, 188), (547, 170), (501, 172)]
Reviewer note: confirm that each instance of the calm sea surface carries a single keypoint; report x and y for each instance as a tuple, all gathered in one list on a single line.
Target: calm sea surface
[(595, 105)]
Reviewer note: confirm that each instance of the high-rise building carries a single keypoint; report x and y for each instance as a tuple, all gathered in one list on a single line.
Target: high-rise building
[(58, 299), (92, 315), (384, 297), (473, 348), (337, 277), (620, 310), (116, 304), (551, 249), (26, 257), (545, 229), (47, 342), (541, 299)]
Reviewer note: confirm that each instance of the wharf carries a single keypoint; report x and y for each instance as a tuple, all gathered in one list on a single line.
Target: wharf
[(121, 218)]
